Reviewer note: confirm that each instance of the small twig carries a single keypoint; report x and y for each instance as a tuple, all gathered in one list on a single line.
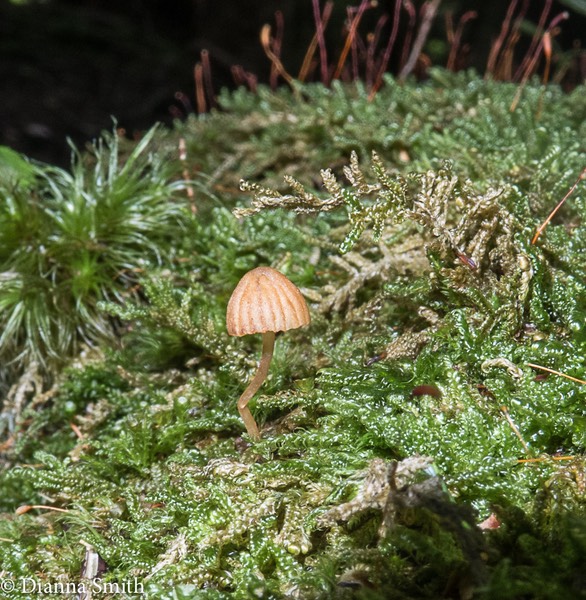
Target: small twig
[(21, 510), (559, 205), (526, 64), (387, 53), (431, 8), (350, 37), (186, 105), (319, 30), (505, 412), (412, 13), (497, 45), (373, 40), (304, 70), (457, 37), (557, 372), (531, 65), (242, 77), (265, 40), (504, 69), (200, 97), (202, 73), (277, 43), (76, 430), (544, 458)]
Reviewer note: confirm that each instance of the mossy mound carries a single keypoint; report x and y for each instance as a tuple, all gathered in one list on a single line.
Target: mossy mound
[(404, 416)]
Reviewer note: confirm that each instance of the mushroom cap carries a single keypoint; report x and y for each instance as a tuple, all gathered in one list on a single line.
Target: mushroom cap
[(265, 300)]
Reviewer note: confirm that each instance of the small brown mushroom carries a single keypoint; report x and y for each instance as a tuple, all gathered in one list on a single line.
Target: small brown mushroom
[(264, 301)]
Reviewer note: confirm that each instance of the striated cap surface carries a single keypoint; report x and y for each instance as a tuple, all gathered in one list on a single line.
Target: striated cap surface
[(265, 300)]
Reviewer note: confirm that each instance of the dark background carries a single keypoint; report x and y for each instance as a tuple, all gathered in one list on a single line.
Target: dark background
[(68, 66)]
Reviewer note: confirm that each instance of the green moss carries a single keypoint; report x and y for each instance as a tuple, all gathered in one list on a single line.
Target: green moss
[(428, 302), (72, 239)]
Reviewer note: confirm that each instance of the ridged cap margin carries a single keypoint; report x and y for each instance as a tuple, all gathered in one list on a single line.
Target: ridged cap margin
[(265, 300)]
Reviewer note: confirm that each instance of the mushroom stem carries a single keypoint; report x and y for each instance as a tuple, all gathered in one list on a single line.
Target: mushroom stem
[(268, 345)]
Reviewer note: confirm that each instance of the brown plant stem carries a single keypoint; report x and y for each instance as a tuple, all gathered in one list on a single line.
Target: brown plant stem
[(498, 43), (515, 429), (350, 38), (559, 205), (431, 9), (387, 53), (306, 65), (534, 366), (321, 42), (265, 40), (268, 345)]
